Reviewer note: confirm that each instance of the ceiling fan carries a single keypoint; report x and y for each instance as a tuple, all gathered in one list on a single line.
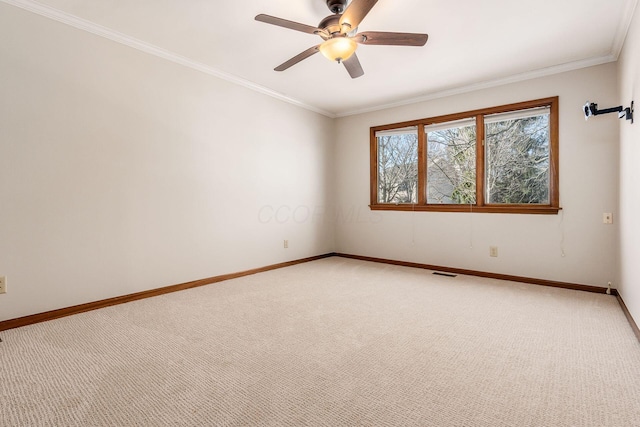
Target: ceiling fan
[(339, 34)]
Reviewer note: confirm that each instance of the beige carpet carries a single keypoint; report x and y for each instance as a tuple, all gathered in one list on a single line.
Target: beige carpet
[(335, 342)]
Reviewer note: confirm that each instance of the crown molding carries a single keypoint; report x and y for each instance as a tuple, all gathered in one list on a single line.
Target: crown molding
[(99, 30), (623, 28), (616, 50), (529, 75), (91, 27)]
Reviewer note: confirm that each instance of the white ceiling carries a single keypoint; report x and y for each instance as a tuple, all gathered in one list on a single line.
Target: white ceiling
[(471, 43)]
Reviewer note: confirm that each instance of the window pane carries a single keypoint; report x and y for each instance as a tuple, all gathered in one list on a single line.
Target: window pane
[(517, 160), (398, 166), (451, 163)]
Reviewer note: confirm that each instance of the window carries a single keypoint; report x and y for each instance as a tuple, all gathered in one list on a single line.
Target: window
[(398, 166), (451, 162), (500, 159), (517, 157)]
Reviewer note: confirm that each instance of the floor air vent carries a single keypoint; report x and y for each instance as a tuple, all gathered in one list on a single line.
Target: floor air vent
[(437, 273)]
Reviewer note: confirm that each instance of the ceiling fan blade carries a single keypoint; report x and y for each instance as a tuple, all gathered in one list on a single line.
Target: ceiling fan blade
[(355, 12), (287, 24), (353, 66), (293, 61), (391, 39)]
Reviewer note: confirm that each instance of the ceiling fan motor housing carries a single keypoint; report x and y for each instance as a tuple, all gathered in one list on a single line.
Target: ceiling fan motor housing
[(331, 24), (336, 6)]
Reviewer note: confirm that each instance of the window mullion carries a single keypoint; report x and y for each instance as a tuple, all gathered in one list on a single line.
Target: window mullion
[(422, 165), (373, 165), (480, 158), (554, 196)]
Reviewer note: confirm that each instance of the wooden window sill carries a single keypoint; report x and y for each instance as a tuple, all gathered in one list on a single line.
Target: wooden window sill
[(509, 209)]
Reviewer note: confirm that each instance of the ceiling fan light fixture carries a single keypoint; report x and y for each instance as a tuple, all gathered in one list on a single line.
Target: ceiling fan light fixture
[(340, 35), (338, 48)]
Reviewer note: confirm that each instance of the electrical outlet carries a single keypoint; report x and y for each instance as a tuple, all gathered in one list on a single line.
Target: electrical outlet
[(286, 244), (607, 218), (3, 285), (493, 251)]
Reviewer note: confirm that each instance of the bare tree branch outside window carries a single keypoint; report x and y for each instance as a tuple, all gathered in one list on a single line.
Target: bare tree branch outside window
[(517, 153), (398, 168), (451, 165)]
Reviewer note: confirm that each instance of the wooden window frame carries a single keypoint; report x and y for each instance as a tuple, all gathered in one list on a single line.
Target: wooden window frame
[(480, 206)]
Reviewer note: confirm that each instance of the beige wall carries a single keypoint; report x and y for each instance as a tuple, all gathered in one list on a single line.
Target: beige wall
[(629, 83), (528, 245), (121, 172)]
